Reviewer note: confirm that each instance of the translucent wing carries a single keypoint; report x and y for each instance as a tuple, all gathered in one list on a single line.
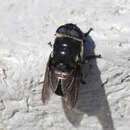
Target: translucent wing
[(53, 79), (71, 94), (46, 91)]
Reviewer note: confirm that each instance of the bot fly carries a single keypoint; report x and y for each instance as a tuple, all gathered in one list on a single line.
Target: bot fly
[(63, 70)]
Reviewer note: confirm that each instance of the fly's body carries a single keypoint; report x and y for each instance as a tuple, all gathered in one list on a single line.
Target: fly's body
[(63, 70)]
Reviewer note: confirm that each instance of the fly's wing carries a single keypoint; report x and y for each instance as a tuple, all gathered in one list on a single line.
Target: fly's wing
[(71, 91), (53, 79), (46, 91)]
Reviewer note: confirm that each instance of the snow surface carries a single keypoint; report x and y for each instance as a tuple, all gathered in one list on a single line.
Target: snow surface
[(26, 26)]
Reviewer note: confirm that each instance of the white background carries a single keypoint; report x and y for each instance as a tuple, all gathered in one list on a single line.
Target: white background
[(26, 26)]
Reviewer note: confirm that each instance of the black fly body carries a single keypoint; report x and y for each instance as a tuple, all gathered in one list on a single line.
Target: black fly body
[(63, 71)]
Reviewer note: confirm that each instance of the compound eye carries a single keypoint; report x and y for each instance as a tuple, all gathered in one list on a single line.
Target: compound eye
[(74, 33), (61, 30)]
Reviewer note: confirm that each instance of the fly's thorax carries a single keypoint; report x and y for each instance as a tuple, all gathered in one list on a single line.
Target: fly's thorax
[(68, 46)]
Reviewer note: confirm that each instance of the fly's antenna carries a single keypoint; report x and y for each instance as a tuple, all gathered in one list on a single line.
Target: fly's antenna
[(87, 33), (50, 44)]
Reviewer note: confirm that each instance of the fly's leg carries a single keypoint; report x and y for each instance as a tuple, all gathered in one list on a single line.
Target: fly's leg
[(82, 80), (92, 57), (50, 44)]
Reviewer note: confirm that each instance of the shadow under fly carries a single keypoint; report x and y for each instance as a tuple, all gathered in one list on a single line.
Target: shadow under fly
[(92, 99)]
